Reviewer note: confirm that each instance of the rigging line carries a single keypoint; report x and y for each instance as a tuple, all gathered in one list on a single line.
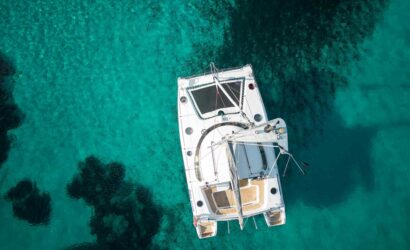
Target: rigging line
[(297, 164), (201, 139), (235, 184), (236, 94), (219, 132), (257, 144), (236, 160), (217, 129), (244, 224), (223, 103), (254, 222), (213, 161), (216, 105), (273, 165), (227, 95), (215, 72), (233, 93), (236, 105), (217, 159), (213, 134), (236, 91), (214, 69), (237, 155), (238, 136), (247, 103), (284, 172), (246, 133), (247, 143), (249, 107), (247, 159), (216, 97), (263, 155), (202, 157)]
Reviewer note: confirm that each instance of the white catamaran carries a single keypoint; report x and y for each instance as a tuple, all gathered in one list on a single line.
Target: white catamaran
[(230, 150)]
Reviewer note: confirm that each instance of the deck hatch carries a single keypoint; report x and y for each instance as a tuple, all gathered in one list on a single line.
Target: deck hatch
[(210, 97)]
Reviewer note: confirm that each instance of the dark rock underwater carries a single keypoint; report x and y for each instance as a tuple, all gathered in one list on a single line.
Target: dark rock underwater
[(10, 115), (125, 216), (29, 203)]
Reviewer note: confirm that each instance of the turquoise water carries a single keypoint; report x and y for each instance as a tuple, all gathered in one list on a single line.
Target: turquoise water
[(99, 78)]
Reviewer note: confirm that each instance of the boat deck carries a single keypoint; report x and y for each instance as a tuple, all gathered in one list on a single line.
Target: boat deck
[(214, 111), (223, 202)]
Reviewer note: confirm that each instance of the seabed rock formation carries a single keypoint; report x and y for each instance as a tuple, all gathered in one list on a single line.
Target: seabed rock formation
[(10, 115), (29, 203), (125, 217)]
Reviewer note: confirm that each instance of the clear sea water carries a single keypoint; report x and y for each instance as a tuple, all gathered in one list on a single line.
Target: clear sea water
[(99, 78)]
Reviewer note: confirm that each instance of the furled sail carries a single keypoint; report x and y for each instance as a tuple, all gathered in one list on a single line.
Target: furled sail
[(273, 131)]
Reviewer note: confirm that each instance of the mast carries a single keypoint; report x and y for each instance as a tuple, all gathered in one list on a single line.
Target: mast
[(273, 131), (235, 183)]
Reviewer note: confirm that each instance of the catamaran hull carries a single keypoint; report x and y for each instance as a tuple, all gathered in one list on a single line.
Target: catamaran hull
[(213, 110)]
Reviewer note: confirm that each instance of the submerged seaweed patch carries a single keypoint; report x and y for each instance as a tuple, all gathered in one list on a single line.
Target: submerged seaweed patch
[(29, 203), (298, 49), (10, 115), (125, 216)]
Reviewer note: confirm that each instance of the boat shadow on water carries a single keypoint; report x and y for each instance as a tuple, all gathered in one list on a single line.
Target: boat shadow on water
[(339, 156), (339, 162), (299, 50)]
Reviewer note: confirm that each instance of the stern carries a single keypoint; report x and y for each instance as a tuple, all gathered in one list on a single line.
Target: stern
[(275, 217), (206, 229)]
